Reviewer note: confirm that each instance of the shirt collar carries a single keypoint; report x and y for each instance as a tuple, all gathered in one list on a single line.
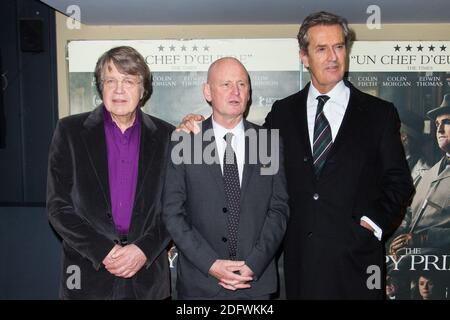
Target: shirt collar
[(336, 94), (220, 131), (111, 124)]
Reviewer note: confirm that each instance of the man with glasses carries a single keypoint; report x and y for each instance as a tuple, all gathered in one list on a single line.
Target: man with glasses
[(428, 224), (105, 179)]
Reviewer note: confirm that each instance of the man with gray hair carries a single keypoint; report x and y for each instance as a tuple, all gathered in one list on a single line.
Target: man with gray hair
[(348, 179), (104, 188)]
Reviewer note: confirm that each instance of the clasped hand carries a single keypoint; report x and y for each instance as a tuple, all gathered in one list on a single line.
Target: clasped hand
[(124, 261), (232, 275)]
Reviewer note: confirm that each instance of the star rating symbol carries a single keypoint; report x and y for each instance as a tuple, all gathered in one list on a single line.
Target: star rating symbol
[(408, 48), (205, 48), (161, 48), (443, 48), (420, 47), (397, 48), (183, 48), (172, 48), (431, 48), (194, 48)]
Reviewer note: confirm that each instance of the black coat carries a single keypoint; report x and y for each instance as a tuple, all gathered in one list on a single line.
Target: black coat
[(79, 205), (327, 253)]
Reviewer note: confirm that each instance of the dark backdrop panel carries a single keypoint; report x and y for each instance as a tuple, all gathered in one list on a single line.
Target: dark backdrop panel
[(11, 184), (30, 100), (29, 254), (2, 109)]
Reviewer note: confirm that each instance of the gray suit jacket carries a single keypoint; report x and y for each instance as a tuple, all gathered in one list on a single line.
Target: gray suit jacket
[(195, 216)]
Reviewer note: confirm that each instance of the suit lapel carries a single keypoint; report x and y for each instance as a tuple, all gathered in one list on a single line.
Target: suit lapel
[(214, 169), (431, 179), (300, 113), (94, 140), (146, 151), (248, 167), (444, 174), (350, 123)]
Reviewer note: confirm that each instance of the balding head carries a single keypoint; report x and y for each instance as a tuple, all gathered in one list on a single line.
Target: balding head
[(223, 62), (227, 90)]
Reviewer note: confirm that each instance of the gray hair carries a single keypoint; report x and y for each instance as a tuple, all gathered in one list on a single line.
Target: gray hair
[(321, 18), (129, 61)]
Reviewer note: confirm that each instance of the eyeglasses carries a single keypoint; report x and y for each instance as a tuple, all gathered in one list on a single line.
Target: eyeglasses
[(127, 83)]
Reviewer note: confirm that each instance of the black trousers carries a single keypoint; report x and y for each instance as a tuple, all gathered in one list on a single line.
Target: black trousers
[(123, 289)]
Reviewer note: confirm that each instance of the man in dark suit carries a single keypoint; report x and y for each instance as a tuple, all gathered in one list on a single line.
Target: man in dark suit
[(226, 214), (348, 180), (104, 190)]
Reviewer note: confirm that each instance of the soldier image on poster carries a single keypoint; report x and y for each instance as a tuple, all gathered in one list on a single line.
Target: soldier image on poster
[(411, 134), (427, 224)]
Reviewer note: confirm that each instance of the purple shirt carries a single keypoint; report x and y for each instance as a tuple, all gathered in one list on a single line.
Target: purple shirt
[(123, 159)]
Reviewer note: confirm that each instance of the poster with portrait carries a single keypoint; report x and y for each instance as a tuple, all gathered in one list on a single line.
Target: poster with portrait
[(414, 75), (179, 69)]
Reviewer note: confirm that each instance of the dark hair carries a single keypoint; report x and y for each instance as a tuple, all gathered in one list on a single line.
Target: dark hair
[(439, 288), (321, 18), (127, 60)]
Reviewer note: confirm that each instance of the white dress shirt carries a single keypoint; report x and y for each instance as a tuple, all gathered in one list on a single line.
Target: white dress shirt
[(334, 110), (238, 144)]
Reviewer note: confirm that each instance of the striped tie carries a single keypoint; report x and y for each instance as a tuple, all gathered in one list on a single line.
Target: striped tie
[(322, 136)]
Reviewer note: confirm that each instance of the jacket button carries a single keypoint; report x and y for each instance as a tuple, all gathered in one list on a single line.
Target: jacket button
[(225, 210), (108, 214), (316, 196), (224, 239), (305, 159), (310, 234), (116, 241)]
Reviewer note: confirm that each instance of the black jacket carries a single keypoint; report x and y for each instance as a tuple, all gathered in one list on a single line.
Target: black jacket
[(327, 253), (79, 205)]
